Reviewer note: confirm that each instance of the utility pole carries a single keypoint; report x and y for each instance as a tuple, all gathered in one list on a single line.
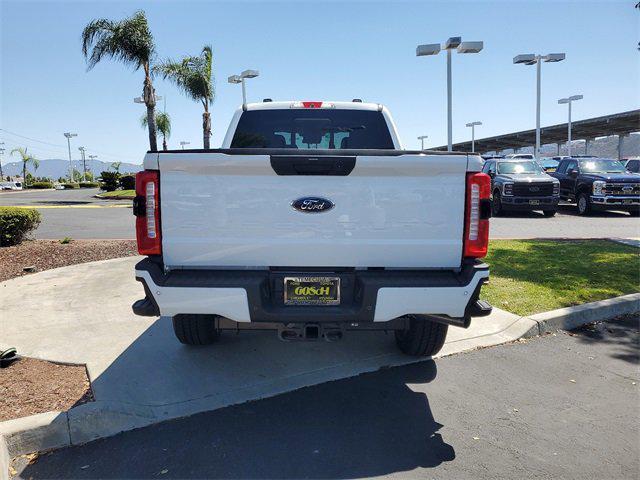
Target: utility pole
[(91, 159), (68, 137), (84, 164), (1, 153)]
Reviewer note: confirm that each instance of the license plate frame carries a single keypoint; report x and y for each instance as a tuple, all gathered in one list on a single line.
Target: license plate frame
[(310, 297)]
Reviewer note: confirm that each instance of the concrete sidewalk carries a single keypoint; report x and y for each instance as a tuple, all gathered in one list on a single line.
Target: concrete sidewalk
[(141, 374)]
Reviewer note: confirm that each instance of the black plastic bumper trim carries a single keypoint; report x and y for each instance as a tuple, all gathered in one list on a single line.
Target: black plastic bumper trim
[(359, 289)]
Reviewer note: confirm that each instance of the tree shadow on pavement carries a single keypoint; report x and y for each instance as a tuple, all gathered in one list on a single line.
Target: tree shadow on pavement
[(623, 332), (370, 425)]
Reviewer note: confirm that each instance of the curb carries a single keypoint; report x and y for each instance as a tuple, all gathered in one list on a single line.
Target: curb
[(99, 419), (573, 317), (112, 198)]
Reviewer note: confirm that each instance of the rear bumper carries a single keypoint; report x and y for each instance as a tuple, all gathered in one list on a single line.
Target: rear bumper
[(366, 295), (524, 203)]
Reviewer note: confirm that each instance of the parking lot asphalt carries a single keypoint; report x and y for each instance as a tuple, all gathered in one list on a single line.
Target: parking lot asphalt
[(558, 406), (77, 214)]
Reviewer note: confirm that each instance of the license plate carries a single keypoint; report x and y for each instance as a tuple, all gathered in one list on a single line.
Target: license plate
[(312, 290), (627, 202), (534, 202)]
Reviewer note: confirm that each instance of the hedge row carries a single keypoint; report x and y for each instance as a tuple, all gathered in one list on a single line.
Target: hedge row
[(16, 223), (41, 185)]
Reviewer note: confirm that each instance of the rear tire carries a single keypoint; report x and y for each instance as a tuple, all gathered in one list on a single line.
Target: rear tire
[(195, 329), (549, 213), (423, 338)]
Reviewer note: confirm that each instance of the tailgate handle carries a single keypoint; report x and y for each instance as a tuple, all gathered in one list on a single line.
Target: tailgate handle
[(310, 165)]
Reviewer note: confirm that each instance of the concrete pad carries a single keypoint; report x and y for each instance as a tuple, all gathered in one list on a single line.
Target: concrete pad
[(140, 373), (35, 433)]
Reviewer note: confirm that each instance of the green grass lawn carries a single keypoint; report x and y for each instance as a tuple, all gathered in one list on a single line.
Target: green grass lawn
[(532, 276), (119, 194)]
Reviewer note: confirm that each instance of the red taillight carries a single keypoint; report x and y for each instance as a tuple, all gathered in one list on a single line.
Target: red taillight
[(477, 213), (147, 210)]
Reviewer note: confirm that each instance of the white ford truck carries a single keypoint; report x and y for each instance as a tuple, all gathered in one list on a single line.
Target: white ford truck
[(313, 221)]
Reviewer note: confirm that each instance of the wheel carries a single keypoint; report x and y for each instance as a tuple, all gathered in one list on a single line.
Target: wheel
[(496, 205), (195, 329), (583, 203), (423, 338), (549, 213)]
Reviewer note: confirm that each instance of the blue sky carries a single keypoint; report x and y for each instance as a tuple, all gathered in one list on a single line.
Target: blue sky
[(314, 51)]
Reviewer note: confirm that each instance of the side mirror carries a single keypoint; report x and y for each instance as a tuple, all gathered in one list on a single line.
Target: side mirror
[(573, 173)]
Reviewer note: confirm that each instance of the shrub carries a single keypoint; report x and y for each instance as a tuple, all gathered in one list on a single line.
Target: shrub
[(109, 181), (128, 182), (66, 240), (88, 185), (41, 185), (70, 185), (16, 223)]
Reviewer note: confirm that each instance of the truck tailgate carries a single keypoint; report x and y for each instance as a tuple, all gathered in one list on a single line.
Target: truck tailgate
[(222, 210)]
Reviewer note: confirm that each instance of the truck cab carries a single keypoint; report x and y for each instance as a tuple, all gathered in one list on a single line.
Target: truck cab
[(312, 221)]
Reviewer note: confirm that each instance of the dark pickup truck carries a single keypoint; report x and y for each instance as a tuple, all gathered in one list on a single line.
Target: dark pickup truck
[(598, 184), (521, 184)]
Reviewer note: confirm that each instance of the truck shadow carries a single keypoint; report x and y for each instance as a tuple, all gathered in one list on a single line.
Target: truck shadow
[(374, 424)]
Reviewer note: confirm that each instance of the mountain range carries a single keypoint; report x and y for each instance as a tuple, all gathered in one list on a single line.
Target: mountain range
[(55, 168)]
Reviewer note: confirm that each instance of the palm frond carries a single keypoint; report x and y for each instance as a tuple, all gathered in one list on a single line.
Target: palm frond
[(192, 75), (163, 123), (128, 41)]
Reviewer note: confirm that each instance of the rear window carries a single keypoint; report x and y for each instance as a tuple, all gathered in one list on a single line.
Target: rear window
[(312, 129)]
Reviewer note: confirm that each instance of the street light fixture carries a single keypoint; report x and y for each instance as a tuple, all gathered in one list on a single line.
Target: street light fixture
[(473, 135), (183, 143), (461, 47), (568, 101), (240, 79), (533, 59), (421, 138), (141, 99), (68, 136)]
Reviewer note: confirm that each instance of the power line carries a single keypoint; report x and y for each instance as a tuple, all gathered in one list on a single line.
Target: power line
[(63, 147)]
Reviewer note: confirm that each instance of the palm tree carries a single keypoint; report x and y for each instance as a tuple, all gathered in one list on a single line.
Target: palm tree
[(193, 76), (26, 158), (129, 41), (163, 124), (116, 166)]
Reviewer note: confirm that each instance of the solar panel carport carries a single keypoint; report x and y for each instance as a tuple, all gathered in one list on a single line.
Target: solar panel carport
[(620, 124)]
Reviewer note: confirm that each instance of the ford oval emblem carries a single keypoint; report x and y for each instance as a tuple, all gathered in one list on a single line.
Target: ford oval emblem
[(312, 204)]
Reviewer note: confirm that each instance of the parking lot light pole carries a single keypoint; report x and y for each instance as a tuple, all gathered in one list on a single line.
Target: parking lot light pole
[(434, 49), (421, 138), (68, 136), (568, 101), (533, 59), (473, 135), (241, 80)]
